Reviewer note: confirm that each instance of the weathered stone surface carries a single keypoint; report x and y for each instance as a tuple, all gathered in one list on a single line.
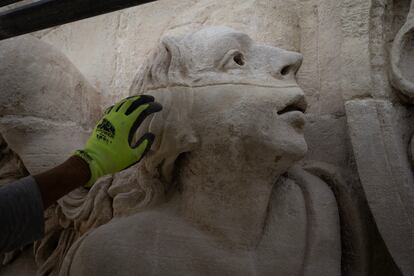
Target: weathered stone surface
[(118, 43), (201, 107), (47, 107), (402, 58), (288, 207), (38, 81), (40, 143), (345, 45), (356, 74), (385, 175)]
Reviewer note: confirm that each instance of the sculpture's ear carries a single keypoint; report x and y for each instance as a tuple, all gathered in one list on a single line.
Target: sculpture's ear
[(165, 63), (172, 46), (161, 69), (173, 60)]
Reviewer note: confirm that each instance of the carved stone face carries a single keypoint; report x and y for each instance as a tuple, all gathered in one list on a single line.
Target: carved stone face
[(247, 107), (237, 98), (240, 125)]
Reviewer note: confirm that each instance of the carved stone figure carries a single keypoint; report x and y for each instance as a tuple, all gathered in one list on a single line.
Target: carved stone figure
[(223, 189), (211, 193), (233, 124)]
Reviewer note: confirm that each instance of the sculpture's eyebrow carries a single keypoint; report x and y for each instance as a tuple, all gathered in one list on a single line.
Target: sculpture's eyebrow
[(244, 39)]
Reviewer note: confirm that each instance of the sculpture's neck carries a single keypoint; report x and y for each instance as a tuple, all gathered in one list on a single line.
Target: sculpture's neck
[(232, 207)]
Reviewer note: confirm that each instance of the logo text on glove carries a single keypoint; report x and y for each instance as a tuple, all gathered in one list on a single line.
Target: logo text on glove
[(105, 131)]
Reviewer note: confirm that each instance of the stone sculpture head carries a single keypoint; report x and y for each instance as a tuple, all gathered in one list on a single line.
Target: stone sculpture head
[(232, 123), (233, 105)]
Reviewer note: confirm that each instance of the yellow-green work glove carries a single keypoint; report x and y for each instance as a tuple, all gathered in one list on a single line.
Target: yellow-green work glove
[(109, 150)]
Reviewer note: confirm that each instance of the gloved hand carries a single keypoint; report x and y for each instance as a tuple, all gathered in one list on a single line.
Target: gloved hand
[(109, 148)]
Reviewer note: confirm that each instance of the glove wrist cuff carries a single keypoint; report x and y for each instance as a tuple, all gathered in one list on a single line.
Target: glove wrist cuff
[(93, 167)]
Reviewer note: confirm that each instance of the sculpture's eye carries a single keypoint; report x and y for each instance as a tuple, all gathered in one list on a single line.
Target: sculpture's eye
[(234, 59)]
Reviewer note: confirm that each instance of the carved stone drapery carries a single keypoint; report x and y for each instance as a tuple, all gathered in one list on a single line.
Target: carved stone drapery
[(402, 58), (379, 126)]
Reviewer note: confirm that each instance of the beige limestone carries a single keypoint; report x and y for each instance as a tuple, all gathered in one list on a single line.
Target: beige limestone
[(402, 58), (345, 45), (44, 101), (119, 42), (389, 185), (201, 107), (380, 127), (208, 100)]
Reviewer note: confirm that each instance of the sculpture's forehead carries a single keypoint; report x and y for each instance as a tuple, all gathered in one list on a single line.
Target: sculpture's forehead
[(215, 42)]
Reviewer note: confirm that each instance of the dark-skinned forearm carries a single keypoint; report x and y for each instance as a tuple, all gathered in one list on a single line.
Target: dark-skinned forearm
[(59, 181)]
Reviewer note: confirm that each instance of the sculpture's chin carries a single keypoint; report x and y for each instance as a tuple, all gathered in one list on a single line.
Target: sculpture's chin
[(292, 139), (298, 151), (289, 153)]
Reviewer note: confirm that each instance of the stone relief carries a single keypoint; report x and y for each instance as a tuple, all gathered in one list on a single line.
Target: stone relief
[(380, 127), (34, 119), (402, 58), (44, 99), (350, 214), (222, 189), (402, 63), (212, 164)]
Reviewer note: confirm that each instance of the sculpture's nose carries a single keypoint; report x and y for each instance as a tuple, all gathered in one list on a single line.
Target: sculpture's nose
[(289, 65)]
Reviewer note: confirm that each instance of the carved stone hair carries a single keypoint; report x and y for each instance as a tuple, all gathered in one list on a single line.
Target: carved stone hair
[(163, 68), (165, 76)]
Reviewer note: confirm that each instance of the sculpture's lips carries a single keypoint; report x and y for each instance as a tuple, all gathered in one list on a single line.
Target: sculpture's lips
[(295, 118), (291, 108), (293, 112), (298, 104)]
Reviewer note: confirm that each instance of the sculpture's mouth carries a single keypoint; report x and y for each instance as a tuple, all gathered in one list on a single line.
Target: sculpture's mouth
[(297, 104), (293, 112)]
